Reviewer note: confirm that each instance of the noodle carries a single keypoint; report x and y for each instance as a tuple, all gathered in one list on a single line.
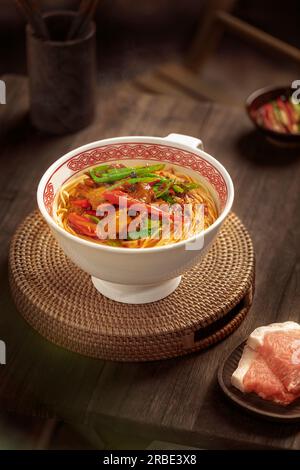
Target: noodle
[(173, 195)]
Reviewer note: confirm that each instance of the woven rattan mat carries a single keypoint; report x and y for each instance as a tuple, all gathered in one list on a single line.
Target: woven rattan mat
[(61, 303)]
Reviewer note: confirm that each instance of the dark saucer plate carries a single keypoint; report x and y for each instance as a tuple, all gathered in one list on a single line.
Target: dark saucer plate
[(250, 401)]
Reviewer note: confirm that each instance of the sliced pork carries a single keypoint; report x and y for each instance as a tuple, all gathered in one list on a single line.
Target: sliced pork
[(253, 375), (279, 345), (270, 363)]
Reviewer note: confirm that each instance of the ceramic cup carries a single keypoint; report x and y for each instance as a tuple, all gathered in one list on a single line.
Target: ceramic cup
[(62, 76)]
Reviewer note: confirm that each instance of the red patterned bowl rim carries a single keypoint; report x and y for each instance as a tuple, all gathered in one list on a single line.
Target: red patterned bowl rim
[(136, 149), (140, 151)]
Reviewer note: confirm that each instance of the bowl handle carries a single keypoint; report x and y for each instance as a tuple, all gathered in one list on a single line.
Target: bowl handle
[(186, 140)]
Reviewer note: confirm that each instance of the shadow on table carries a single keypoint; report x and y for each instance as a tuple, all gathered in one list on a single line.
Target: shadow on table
[(248, 427), (42, 378), (256, 148), (39, 377)]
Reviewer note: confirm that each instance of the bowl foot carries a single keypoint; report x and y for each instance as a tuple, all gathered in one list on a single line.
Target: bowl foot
[(136, 294)]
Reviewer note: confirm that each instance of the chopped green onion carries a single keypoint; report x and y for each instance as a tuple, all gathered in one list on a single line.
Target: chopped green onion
[(93, 218), (177, 188), (165, 190), (138, 234), (113, 242), (168, 198), (280, 115), (153, 226), (296, 107), (190, 186)]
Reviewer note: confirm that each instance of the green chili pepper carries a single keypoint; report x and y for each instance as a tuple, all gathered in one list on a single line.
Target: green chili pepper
[(142, 179), (99, 170), (103, 168), (119, 173)]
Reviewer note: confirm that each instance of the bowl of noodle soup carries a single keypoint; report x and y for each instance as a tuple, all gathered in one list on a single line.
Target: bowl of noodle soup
[(136, 212)]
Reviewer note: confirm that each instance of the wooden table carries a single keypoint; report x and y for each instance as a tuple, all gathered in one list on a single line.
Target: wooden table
[(176, 400)]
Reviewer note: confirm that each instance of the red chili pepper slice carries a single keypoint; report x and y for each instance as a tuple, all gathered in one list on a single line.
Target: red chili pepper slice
[(292, 116), (271, 118), (113, 198), (284, 109), (84, 203), (152, 183), (82, 225), (90, 212), (89, 182)]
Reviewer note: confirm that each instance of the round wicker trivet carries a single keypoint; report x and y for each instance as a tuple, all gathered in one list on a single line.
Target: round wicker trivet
[(61, 303)]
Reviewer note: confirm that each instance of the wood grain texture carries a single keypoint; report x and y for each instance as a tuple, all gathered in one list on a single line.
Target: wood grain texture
[(177, 400)]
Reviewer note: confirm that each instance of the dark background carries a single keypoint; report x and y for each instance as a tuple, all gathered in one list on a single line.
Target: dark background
[(135, 36)]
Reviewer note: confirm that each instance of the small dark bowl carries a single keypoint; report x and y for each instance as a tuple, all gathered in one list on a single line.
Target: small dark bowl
[(259, 98)]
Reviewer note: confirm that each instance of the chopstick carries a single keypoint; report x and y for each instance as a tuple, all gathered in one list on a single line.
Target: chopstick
[(32, 12), (85, 14)]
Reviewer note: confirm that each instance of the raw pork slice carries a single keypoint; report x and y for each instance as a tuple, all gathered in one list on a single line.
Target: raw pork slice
[(279, 345), (256, 338), (253, 375)]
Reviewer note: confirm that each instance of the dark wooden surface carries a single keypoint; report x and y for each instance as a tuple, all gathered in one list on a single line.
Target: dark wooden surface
[(176, 400)]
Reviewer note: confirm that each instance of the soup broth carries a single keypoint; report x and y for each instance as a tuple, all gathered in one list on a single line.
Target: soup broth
[(134, 206)]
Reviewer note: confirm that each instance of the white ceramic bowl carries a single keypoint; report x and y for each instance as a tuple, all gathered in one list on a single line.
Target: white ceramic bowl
[(137, 275)]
